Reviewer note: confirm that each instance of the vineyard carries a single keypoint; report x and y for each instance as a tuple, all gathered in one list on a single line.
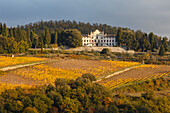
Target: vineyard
[(74, 68), (137, 74), (5, 86), (8, 61), (71, 69)]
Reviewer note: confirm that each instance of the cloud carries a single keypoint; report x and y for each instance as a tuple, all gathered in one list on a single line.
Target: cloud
[(147, 15)]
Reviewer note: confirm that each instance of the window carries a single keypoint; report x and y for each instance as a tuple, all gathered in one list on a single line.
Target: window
[(92, 40), (84, 40), (101, 40), (87, 40)]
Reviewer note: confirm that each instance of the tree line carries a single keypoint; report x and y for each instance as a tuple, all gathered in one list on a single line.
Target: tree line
[(140, 41), (136, 40), (45, 34), (78, 96), (18, 40)]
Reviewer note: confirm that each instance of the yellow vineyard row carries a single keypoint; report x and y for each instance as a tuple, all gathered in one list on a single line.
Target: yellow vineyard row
[(7, 61), (114, 84)]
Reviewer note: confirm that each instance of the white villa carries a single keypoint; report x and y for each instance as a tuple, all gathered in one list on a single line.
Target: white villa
[(98, 38)]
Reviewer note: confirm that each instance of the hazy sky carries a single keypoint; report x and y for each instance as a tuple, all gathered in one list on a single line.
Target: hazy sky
[(146, 15)]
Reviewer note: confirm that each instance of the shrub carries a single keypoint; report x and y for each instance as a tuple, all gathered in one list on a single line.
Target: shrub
[(89, 76), (30, 110), (40, 105), (106, 51), (14, 105), (60, 82), (150, 95), (143, 109)]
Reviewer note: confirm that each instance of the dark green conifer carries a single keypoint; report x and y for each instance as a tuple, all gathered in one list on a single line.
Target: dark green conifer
[(5, 31), (165, 43), (162, 51), (11, 32), (119, 36), (47, 37)]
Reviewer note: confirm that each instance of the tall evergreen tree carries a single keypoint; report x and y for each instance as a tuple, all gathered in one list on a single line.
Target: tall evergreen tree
[(47, 37), (11, 32), (5, 31), (165, 43), (28, 36), (151, 40), (55, 37), (0, 28), (162, 51), (119, 36), (12, 45), (32, 36), (19, 37), (15, 34), (156, 42), (144, 43), (135, 44), (3, 44)]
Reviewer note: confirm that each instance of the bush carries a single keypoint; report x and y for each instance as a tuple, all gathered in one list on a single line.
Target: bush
[(113, 109), (40, 105), (97, 53), (60, 82), (143, 109), (1, 72), (30, 110), (112, 56), (14, 105), (150, 95), (89, 76), (106, 51)]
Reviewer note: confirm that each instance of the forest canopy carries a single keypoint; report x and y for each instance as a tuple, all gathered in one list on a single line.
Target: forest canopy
[(50, 34)]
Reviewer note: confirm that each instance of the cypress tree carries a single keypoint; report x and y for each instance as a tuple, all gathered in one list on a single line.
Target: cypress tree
[(162, 51), (156, 42), (151, 40), (47, 37), (15, 33), (55, 37), (11, 32), (28, 36), (119, 36), (19, 35), (5, 31), (165, 43), (0, 28), (145, 43), (135, 44), (32, 36)]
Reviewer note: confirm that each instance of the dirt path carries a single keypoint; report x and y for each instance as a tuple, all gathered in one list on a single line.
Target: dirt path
[(116, 73), (8, 68)]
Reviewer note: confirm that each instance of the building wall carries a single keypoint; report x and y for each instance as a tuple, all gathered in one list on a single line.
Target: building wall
[(98, 38)]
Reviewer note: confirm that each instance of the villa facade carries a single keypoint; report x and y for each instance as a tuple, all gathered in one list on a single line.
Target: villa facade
[(98, 38)]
